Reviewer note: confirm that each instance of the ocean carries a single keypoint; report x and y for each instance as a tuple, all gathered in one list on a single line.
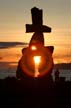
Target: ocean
[(11, 72)]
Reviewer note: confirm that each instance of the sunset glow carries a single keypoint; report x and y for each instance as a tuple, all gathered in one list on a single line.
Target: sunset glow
[(15, 14), (33, 47), (37, 60)]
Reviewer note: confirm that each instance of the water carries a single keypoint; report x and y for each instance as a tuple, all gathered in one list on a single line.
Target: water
[(64, 73), (11, 72)]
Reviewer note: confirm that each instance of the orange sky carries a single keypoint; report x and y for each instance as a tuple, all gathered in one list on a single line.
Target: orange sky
[(14, 14)]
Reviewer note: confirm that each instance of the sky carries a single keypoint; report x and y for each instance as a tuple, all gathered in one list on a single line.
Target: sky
[(14, 14)]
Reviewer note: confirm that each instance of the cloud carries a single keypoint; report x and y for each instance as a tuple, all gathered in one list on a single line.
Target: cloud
[(11, 44)]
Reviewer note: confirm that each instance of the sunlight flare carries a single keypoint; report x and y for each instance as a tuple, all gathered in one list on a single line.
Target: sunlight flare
[(37, 60), (34, 48)]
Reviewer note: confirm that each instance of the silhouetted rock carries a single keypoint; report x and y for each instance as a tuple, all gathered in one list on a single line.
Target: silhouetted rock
[(52, 95), (38, 41)]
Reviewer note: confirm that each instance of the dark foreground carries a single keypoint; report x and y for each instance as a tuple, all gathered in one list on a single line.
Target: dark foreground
[(18, 93)]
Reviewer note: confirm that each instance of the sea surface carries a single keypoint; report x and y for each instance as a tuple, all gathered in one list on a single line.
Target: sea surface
[(11, 72)]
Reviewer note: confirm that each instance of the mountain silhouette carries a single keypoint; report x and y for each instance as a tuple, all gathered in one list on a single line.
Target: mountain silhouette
[(63, 66)]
